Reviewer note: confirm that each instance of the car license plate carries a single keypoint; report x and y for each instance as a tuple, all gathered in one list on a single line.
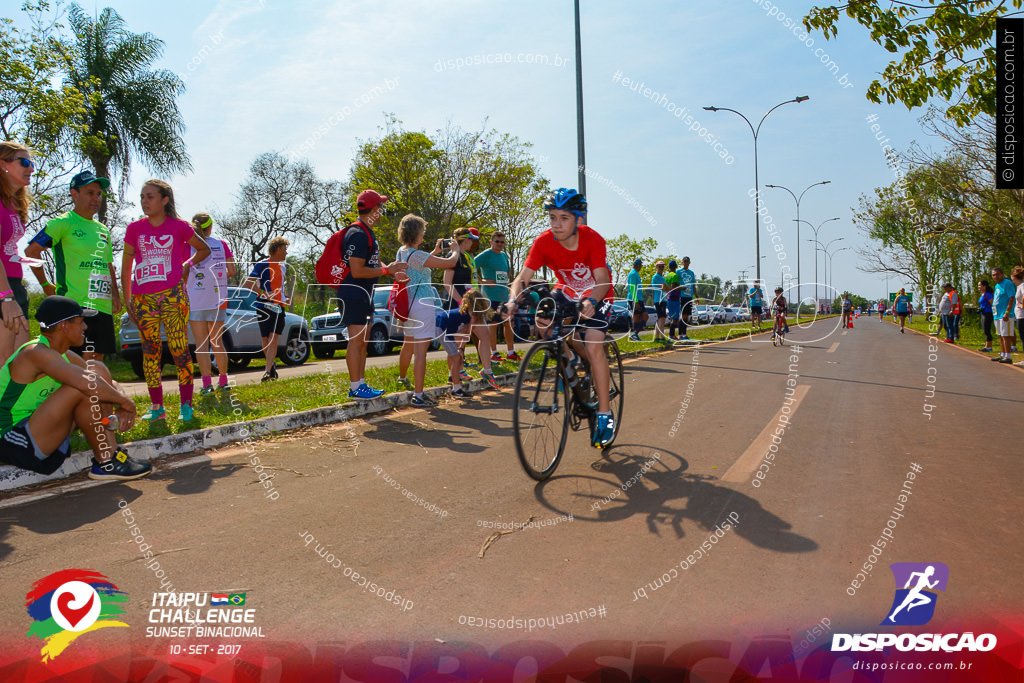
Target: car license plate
[(330, 338)]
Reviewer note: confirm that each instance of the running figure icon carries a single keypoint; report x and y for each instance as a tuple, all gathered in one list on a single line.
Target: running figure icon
[(916, 598)]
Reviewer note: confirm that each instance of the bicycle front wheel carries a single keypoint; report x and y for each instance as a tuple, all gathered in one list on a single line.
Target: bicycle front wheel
[(540, 411)]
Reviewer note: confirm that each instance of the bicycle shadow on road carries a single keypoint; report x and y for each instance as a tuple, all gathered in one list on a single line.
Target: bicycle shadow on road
[(635, 483)]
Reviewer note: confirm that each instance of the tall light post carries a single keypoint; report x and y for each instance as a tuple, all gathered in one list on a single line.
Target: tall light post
[(816, 229), (757, 187), (579, 108), (799, 279), (824, 248), (830, 263)]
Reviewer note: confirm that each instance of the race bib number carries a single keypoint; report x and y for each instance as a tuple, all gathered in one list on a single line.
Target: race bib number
[(151, 271), (272, 308), (99, 286), (501, 277)]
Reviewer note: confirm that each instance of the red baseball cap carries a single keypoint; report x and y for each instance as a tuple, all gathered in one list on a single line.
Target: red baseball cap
[(474, 233), (369, 199)]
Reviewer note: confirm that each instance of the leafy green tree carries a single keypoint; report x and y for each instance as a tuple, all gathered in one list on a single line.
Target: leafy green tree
[(36, 112), (452, 179), (135, 114), (622, 250), (944, 46)]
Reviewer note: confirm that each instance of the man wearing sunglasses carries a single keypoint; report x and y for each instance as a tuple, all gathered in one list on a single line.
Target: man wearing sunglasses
[(493, 267), (84, 264)]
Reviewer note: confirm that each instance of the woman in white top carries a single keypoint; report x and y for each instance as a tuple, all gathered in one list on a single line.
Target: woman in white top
[(208, 303), (424, 302)]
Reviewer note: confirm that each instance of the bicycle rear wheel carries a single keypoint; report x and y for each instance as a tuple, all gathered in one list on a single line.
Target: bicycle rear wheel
[(540, 411)]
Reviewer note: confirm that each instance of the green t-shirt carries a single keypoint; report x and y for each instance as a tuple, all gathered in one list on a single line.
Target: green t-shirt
[(18, 401), (493, 265), (82, 256)]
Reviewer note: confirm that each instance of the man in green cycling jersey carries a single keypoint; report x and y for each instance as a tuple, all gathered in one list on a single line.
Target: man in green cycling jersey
[(576, 254)]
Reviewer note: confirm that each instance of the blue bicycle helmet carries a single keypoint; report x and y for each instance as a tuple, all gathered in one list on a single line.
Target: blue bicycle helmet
[(566, 200)]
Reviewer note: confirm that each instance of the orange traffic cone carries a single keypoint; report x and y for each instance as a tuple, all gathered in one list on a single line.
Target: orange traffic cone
[(851, 322)]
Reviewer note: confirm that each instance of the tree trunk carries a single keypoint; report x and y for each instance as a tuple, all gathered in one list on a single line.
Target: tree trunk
[(101, 166)]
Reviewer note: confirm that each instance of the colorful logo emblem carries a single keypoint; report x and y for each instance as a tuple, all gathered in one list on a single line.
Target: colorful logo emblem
[(70, 603), (914, 603)]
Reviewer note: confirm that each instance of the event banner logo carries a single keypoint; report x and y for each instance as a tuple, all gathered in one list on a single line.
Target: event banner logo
[(914, 605), (70, 603)]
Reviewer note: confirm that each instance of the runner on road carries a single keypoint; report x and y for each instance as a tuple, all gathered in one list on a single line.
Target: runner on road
[(47, 391), (901, 307), (847, 309)]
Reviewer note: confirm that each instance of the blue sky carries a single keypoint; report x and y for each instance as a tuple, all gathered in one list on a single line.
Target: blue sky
[(265, 75)]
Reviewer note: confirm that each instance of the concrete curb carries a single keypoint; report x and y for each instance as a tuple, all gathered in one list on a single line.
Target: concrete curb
[(12, 478)]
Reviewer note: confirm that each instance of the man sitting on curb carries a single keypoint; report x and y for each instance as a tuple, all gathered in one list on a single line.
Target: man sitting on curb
[(46, 391)]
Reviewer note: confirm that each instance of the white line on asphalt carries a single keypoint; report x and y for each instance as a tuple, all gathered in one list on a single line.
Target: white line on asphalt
[(843, 334), (832, 349), (744, 467)]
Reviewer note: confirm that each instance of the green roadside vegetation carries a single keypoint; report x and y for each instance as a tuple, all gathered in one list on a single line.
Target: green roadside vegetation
[(971, 334)]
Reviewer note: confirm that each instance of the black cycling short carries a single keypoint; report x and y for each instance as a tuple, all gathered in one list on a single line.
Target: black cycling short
[(637, 307), (686, 306), (18, 448), (355, 311), (270, 317), (755, 310), (661, 309), (99, 335)]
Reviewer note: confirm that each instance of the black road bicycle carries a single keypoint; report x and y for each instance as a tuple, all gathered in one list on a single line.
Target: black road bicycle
[(554, 391)]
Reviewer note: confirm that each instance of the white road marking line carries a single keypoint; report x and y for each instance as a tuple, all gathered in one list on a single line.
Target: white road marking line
[(745, 465), (832, 349)]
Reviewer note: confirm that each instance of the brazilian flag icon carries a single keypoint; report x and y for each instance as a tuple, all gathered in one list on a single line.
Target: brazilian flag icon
[(236, 599)]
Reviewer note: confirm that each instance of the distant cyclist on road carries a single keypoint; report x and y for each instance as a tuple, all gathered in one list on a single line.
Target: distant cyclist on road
[(576, 255), (779, 305)]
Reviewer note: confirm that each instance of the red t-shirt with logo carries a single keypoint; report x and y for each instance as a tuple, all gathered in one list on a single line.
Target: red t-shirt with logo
[(573, 269)]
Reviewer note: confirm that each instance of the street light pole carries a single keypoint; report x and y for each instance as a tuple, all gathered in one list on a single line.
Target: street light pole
[(757, 186), (800, 280), (830, 263), (816, 229), (824, 247), (579, 108)]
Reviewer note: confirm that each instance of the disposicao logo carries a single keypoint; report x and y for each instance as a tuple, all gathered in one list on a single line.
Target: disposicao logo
[(70, 603), (914, 605)]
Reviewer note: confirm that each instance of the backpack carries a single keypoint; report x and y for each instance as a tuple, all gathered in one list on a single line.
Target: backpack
[(331, 268), (398, 300)]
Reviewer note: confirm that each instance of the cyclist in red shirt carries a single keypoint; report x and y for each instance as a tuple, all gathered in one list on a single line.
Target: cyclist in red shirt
[(576, 254)]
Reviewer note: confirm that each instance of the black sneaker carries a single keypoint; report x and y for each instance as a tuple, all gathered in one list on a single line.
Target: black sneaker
[(121, 467), (460, 393), (423, 401)]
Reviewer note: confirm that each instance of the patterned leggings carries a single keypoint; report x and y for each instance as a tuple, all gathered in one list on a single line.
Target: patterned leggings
[(169, 307)]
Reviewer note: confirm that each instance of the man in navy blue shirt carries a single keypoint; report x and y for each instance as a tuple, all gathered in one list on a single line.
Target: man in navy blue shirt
[(361, 255)]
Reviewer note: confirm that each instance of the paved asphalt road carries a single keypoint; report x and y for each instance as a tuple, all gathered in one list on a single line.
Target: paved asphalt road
[(857, 426)]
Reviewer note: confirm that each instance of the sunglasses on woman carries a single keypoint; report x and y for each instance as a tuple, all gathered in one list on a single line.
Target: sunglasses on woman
[(24, 161)]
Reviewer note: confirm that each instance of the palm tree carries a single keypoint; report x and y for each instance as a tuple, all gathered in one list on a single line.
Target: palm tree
[(135, 113)]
